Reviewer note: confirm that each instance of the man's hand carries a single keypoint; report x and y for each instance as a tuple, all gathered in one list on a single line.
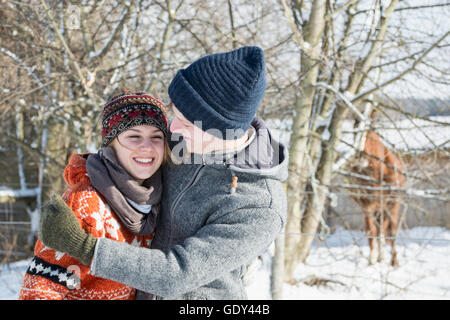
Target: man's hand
[(60, 230)]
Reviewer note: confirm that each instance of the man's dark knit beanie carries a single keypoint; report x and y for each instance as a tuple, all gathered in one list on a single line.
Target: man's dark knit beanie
[(221, 90)]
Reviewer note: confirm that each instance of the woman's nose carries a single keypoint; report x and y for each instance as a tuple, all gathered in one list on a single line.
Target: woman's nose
[(146, 145)]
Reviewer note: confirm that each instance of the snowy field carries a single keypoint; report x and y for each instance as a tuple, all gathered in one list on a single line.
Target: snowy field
[(341, 265)]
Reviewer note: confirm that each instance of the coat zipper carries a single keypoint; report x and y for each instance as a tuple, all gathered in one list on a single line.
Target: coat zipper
[(191, 182)]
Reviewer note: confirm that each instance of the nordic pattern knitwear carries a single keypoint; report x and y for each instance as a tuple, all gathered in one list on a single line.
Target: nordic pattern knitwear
[(222, 90), (55, 275), (129, 110)]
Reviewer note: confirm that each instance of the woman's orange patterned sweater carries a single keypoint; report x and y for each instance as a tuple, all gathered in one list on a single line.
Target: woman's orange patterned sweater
[(54, 275)]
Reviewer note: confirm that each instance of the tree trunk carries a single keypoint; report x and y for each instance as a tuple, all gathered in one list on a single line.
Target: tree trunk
[(297, 178), (316, 200), (316, 203)]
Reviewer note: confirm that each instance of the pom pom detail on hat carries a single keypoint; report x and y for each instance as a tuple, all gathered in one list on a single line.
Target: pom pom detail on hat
[(129, 110), (221, 90)]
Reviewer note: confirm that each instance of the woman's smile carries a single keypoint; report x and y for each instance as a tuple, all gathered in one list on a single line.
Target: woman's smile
[(144, 161)]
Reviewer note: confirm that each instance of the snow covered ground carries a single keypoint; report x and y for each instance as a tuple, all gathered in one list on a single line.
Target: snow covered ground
[(424, 272), (342, 263)]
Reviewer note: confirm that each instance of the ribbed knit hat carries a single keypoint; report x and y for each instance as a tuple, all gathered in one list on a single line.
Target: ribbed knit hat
[(221, 90), (129, 110)]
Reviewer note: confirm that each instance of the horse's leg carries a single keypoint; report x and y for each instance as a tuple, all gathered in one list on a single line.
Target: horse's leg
[(371, 231), (393, 229), (381, 235)]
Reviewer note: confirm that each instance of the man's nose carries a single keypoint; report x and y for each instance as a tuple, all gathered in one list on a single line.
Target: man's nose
[(175, 126)]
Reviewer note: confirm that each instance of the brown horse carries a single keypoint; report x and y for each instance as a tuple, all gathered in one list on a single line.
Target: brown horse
[(379, 205)]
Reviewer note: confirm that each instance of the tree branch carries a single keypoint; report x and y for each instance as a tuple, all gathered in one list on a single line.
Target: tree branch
[(402, 74), (83, 81), (298, 36), (35, 151), (99, 54)]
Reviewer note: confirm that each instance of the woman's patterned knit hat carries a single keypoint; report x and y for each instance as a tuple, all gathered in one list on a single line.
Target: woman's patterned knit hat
[(130, 110)]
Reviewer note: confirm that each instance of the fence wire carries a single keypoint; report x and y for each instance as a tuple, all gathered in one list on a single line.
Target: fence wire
[(323, 237)]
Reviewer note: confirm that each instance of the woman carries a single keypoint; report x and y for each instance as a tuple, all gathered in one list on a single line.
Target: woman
[(114, 194)]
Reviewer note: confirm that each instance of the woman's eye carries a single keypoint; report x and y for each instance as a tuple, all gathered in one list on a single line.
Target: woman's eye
[(134, 137)]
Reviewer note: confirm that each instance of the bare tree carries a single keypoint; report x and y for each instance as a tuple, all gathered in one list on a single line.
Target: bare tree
[(335, 80)]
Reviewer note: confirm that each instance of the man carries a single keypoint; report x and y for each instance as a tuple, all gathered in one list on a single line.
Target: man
[(221, 208)]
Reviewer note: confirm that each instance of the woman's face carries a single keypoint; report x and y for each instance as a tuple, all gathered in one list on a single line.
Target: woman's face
[(140, 151)]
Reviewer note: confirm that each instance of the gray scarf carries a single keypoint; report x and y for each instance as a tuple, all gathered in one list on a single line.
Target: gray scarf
[(116, 185)]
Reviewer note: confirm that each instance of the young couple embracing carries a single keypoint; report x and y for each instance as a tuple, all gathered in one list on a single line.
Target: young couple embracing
[(168, 211)]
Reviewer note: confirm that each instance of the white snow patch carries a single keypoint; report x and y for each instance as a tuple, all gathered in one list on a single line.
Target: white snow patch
[(343, 259)]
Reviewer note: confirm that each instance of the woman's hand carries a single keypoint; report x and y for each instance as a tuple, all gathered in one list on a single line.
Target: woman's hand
[(60, 230)]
